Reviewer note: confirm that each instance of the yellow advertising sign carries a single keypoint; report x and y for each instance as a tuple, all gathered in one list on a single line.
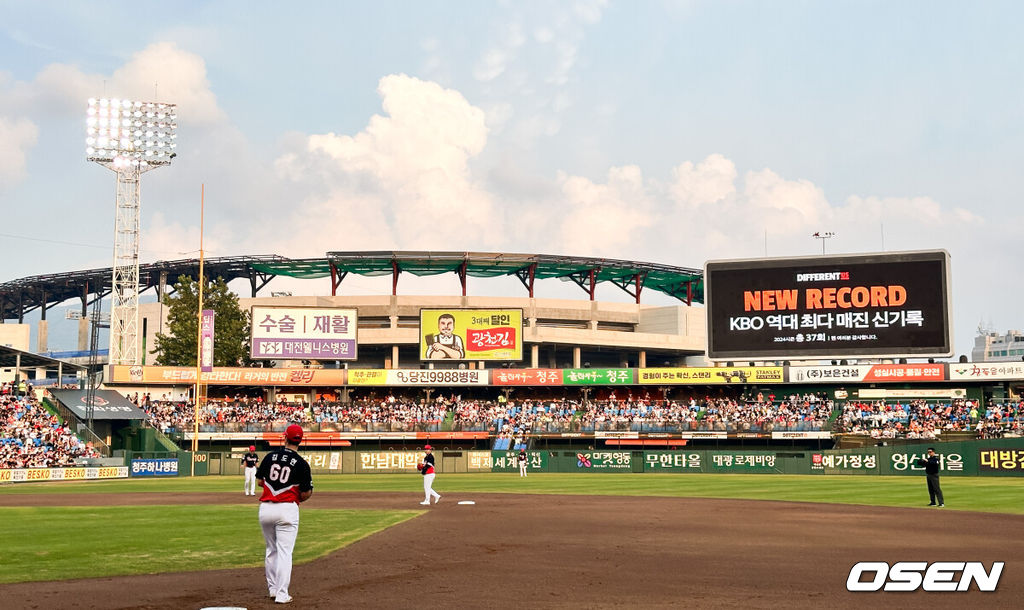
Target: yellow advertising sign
[(123, 373), (710, 375), (367, 377), (471, 334)]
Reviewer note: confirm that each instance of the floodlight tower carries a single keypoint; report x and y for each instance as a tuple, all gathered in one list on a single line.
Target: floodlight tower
[(130, 138)]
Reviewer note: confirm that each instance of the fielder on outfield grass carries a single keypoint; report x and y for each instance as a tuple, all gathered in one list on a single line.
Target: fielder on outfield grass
[(250, 460), (286, 481)]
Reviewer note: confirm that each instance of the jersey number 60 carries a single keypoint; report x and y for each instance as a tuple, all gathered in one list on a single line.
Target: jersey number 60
[(279, 473)]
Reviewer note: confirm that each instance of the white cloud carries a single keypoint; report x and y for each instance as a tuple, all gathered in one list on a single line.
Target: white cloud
[(403, 180), (603, 219), (161, 69), (709, 181), (17, 137)]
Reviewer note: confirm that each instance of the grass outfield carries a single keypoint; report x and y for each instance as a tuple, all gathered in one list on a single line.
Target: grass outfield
[(986, 494), (153, 539)]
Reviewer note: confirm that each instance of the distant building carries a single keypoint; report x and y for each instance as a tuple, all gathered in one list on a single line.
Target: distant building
[(990, 346)]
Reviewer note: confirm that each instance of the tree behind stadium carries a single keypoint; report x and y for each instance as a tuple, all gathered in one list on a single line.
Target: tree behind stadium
[(231, 325)]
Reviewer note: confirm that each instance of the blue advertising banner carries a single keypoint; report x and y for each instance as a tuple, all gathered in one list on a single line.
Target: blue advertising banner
[(155, 468)]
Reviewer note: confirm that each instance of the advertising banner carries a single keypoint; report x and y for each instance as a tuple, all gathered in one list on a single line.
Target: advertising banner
[(390, 461), (416, 377), (529, 377), (604, 460), (672, 461), (844, 463), (508, 461), (793, 434), (206, 341), (867, 373), (710, 375), (155, 468), (1003, 461), (179, 375), (471, 334), (714, 435), (881, 305), (597, 376), (323, 460), (25, 475), (742, 462), (303, 333), (982, 371), (910, 393)]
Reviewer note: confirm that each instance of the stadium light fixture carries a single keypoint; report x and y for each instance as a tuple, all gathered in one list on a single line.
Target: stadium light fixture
[(126, 133), (128, 137)]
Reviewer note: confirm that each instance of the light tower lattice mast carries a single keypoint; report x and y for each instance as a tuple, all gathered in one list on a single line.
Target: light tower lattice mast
[(129, 138)]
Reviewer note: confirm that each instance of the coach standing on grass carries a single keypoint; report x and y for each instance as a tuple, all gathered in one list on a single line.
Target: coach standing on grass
[(931, 469), (286, 481)]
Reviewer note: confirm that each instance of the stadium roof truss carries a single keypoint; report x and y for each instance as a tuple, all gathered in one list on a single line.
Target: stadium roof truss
[(19, 297)]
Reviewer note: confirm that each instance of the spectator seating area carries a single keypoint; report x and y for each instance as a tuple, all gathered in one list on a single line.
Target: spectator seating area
[(502, 417), (928, 419), (32, 437)]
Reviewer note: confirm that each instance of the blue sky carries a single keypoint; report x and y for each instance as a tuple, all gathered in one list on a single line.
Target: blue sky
[(672, 132)]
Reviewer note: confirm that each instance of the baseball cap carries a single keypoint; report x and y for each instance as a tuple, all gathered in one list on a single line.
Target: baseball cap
[(252, 447), (428, 447), (293, 433)]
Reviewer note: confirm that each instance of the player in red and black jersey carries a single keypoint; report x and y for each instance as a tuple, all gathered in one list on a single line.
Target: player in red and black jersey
[(250, 460), (286, 481), (426, 467)]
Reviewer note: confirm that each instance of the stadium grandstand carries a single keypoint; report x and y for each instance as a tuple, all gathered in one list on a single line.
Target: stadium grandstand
[(586, 372)]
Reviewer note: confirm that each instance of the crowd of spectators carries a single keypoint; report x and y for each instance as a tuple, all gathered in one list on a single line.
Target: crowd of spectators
[(914, 419), (389, 413), (32, 437), (501, 416), (922, 419)]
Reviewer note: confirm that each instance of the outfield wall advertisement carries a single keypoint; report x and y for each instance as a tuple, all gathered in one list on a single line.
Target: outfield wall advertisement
[(471, 334), (880, 305), (23, 475), (303, 333)]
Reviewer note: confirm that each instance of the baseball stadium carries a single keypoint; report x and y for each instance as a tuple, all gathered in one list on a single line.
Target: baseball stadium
[(775, 424)]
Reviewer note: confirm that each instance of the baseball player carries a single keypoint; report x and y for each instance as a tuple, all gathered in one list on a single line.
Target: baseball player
[(250, 461), (522, 462), (426, 467), (286, 481)]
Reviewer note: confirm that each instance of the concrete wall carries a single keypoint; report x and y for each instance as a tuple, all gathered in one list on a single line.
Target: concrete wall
[(679, 329)]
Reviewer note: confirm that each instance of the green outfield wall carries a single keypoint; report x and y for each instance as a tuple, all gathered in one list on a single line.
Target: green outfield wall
[(1002, 457)]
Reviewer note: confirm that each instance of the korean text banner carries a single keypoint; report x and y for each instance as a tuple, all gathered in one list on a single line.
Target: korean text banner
[(206, 345), (303, 333), (527, 377), (177, 375), (880, 305), (416, 377), (471, 334), (710, 375)]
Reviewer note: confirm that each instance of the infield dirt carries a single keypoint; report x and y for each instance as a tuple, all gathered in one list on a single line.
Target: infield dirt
[(533, 551)]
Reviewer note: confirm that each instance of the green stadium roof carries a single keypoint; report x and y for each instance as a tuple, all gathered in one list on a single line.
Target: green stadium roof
[(680, 282)]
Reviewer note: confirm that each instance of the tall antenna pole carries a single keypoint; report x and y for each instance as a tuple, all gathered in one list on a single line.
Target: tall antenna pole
[(200, 389)]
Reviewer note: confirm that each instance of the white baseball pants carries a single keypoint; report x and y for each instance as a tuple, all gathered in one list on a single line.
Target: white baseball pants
[(250, 481), (522, 469), (280, 523), (428, 487)]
